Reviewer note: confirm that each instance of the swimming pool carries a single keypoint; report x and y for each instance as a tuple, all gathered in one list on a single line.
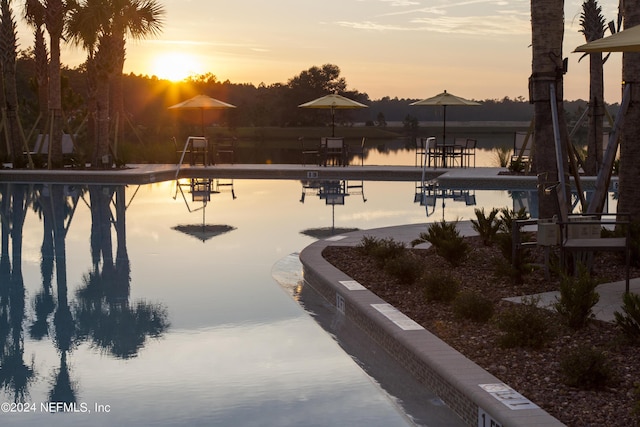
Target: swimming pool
[(110, 309)]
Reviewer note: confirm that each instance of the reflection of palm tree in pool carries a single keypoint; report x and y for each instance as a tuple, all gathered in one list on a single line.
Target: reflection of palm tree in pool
[(103, 311), (57, 209), (64, 389), (15, 375), (56, 205), (43, 302)]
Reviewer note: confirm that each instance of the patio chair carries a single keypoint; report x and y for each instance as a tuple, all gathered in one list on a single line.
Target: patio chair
[(522, 148), (420, 150), (225, 150), (454, 153), (41, 149), (312, 152), (357, 151), (333, 151), (179, 150), (469, 152), (199, 150), (425, 151)]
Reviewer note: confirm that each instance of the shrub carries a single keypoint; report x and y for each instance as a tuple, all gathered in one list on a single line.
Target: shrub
[(525, 325), (510, 268), (446, 239), (439, 286), (586, 368), (577, 297), (473, 306), (406, 268), (486, 226), (509, 216), (381, 249), (502, 155), (517, 166), (629, 321), (368, 244)]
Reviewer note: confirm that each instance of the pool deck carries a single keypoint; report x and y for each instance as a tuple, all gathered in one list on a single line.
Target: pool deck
[(471, 391), (478, 178)]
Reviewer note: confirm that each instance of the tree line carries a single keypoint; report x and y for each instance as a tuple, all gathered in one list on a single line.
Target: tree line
[(147, 117)]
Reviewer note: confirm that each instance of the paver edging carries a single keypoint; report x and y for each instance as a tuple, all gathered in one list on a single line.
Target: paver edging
[(450, 375)]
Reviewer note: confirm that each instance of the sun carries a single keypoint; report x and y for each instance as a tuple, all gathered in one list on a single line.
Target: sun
[(176, 66)]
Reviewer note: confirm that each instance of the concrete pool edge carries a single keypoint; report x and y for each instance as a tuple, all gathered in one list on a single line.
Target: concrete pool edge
[(454, 378)]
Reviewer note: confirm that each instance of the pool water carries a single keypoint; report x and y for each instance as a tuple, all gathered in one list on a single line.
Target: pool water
[(110, 310)]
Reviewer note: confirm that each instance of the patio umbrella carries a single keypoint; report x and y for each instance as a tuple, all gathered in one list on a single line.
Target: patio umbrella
[(445, 99), (202, 103), (333, 102), (624, 41)]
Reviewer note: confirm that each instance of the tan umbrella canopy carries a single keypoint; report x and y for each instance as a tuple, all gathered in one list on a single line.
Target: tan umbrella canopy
[(202, 103), (333, 102), (445, 99), (625, 41)]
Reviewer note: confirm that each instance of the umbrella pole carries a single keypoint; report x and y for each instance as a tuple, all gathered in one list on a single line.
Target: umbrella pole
[(333, 219), (333, 121), (444, 136), (202, 120)]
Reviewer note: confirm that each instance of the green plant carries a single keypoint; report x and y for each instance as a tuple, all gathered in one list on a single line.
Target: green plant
[(446, 239), (502, 155), (629, 321), (577, 297), (486, 226), (381, 249), (517, 166), (473, 306), (509, 216), (586, 368), (524, 325), (439, 286), (406, 268)]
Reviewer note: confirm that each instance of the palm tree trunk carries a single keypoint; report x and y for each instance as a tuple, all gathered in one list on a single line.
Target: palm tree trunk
[(630, 143), (547, 26), (102, 126), (596, 115), (593, 26), (9, 47), (54, 21), (42, 77), (117, 91)]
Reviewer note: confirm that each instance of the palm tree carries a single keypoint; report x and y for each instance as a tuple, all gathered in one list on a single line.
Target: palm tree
[(55, 12), (593, 27), (547, 27), (137, 19), (8, 61), (34, 14), (629, 147), (101, 26)]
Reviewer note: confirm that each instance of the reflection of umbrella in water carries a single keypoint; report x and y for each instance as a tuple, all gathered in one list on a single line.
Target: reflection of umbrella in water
[(627, 40), (333, 102), (444, 99), (333, 193), (201, 192), (202, 103), (203, 232)]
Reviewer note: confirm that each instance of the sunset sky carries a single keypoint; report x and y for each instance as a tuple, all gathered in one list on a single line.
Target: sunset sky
[(477, 49)]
